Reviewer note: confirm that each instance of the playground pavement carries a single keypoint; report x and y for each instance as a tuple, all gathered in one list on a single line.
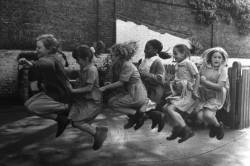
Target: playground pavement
[(27, 140)]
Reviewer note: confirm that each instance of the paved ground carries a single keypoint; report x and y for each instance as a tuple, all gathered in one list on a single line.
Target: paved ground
[(27, 140)]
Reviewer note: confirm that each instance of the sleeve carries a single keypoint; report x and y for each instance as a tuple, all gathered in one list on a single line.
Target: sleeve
[(126, 72), (223, 75), (192, 68), (91, 76)]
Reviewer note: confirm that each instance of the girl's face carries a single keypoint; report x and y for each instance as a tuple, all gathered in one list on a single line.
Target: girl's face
[(216, 59), (149, 51), (114, 57), (40, 49), (178, 56)]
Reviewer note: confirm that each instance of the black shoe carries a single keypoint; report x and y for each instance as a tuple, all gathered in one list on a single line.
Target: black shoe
[(186, 133), (152, 116), (157, 118), (131, 122), (62, 123), (99, 137), (175, 133), (161, 123), (220, 131), (140, 119), (212, 131)]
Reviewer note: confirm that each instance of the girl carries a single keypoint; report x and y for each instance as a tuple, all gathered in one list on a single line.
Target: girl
[(54, 99), (153, 71), (213, 88), (126, 77), (187, 78), (87, 98)]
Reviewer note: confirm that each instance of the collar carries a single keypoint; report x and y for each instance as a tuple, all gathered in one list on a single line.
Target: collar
[(182, 63), (87, 67)]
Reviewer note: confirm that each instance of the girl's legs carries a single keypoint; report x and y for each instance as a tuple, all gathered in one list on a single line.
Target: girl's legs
[(124, 105), (216, 128), (180, 128), (99, 133), (85, 127), (42, 105), (177, 118)]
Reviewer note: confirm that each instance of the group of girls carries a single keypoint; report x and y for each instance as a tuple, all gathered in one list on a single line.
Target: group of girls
[(136, 89)]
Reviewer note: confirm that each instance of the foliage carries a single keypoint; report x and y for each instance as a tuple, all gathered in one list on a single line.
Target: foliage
[(209, 11)]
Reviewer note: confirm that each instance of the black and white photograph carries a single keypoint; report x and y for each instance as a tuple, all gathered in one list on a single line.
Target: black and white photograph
[(124, 82)]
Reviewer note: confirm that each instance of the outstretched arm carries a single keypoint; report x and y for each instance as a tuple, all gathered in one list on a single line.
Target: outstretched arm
[(114, 85)]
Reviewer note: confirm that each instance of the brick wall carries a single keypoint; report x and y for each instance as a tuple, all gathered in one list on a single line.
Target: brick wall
[(72, 21), (176, 17)]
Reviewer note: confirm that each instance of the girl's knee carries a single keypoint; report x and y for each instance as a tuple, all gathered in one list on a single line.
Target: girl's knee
[(74, 124), (200, 115), (207, 114)]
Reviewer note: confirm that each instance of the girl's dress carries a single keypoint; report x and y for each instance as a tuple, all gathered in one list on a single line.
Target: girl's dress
[(209, 98), (184, 76), (134, 94), (86, 106), (155, 83)]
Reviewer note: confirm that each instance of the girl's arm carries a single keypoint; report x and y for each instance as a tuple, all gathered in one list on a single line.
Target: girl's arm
[(212, 85), (159, 77), (84, 89), (116, 84), (197, 82), (25, 62)]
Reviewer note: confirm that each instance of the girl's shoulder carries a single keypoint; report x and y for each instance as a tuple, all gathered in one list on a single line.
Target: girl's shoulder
[(92, 68)]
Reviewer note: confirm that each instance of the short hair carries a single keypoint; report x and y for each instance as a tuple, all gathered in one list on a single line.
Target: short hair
[(83, 52), (182, 48), (49, 42), (156, 44)]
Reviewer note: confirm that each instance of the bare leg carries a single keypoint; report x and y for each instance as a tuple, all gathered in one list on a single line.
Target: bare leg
[(85, 127), (49, 116), (177, 118), (127, 111), (209, 117)]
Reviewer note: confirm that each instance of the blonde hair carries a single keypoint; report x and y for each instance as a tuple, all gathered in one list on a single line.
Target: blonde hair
[(125, 50), (52, 44), (49, 42)]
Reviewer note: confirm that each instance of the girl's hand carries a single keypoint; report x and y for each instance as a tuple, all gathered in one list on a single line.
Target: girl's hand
[(195, 95), (203, 79), (24, 62), (144, 73), (102, 89), (107, 83)]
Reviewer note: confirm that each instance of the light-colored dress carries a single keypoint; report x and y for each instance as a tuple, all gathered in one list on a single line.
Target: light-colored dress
[(135, 94), (88, 105), (209, 98), (184, 75)]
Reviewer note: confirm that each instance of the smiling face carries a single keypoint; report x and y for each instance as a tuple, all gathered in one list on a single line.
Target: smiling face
[(178, 56), (216, 59), (40, 49)]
